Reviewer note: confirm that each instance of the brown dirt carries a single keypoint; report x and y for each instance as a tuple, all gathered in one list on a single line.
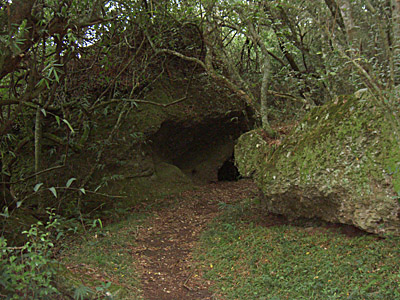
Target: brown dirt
[(165, 243)]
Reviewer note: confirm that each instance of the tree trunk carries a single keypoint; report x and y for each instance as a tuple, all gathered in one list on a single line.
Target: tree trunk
[(38, 142), (5, 196), (396, 40), (337, 16), (214, 46), (345, 8), (266, 69)]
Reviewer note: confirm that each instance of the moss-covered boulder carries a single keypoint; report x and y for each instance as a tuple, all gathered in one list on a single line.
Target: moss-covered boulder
[(340, 164)]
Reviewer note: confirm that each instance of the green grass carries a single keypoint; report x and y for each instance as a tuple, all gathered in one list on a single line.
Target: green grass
[(104, 256), (246, 261)]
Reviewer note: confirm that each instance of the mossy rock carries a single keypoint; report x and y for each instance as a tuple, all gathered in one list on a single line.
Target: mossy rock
[(340, 164), (167, 179)]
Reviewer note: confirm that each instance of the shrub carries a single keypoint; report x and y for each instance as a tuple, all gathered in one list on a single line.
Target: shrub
[(26, 272)]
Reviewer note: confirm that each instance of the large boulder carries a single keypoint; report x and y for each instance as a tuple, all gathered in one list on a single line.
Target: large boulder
[(340, 164)]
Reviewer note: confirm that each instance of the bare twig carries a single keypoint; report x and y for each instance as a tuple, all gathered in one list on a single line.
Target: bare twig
[(14, 248), (89, 192), (34, 175), (187, 279), (207, 66), (160, 104), (288, 96), (142, 102), (108, 140), (95, 105)]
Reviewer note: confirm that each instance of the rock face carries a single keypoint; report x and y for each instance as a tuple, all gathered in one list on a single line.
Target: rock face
[(340, 164)]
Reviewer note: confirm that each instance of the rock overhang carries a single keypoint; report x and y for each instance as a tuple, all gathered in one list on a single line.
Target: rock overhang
[(342, 154)]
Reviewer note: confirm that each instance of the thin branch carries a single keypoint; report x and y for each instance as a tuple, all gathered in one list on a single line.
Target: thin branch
[(15, 248), (368, 79), (17, 102), (108, 141), (51, 137), (89, 192), (207, 66), (119, 74), (160, 104), (142, 102), (180, 55), (288, 96), (74, 189), (230, 41), (280, 60), (94, 22), (33, 175)]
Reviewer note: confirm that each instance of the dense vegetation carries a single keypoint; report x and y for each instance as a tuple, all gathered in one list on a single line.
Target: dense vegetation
[(69, 67)]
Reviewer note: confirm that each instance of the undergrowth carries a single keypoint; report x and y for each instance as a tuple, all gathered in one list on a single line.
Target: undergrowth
[(27, 272), (101, 262), (248, 261)]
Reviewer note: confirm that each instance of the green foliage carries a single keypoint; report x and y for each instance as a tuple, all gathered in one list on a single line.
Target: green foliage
[(107, 251), (71, 66), (246, 261), (83, 292), (27, 272)]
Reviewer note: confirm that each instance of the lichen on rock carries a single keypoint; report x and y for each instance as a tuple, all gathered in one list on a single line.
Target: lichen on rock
[(339, 164)]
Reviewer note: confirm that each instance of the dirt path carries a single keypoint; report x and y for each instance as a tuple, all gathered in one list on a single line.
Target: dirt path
[(165, 244)]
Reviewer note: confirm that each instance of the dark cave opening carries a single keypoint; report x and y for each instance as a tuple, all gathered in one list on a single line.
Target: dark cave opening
[(202, 150), (228, 171)]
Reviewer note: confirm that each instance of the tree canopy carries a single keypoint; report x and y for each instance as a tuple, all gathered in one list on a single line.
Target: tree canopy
[(63, 63)]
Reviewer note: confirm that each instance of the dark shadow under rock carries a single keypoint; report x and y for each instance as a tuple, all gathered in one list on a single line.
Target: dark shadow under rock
[(228, 171)]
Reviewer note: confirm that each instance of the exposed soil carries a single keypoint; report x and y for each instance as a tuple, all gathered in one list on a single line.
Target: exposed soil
[(165, 243)]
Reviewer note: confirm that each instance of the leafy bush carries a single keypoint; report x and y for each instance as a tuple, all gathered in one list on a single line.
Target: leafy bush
[(26, 272)]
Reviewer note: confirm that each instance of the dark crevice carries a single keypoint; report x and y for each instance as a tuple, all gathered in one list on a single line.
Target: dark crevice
[(228, 171)]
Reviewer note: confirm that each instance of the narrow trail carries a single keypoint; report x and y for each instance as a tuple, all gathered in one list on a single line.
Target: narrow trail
[(165, 244)]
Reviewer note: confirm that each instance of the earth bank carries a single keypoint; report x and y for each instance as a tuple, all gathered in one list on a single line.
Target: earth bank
[(179, 135)]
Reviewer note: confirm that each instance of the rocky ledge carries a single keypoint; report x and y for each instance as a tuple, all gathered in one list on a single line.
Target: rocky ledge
[(340, 164)]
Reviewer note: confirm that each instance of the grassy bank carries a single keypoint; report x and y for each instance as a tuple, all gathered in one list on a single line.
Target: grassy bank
[(101, 263), (246, 260)]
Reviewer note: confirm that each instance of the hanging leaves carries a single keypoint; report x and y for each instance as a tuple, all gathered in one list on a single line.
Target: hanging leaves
[(53, 190)]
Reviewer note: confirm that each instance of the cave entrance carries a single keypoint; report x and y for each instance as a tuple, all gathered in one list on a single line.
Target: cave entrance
[(228, 171), (202, 150)]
